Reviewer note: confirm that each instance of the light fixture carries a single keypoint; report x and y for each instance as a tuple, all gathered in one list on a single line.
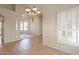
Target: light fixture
[(28, 10), (32, 11)]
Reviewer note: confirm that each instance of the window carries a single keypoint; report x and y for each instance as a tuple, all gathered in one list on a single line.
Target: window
[(68, 27), (25, 26), (22, 25)]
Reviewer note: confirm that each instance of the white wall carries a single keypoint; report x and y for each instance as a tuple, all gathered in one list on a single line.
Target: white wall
[(49, 25), (35, 27), (9, 25), (50, 29)]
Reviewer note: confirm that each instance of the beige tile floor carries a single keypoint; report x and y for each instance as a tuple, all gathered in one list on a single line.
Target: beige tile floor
[(28, 46)]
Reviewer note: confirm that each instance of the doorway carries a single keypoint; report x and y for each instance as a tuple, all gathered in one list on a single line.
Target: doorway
[(1, 29), (23, 29)]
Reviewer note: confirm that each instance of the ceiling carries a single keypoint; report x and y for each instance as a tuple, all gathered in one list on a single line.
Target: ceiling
[(40, 6), (53, 6)]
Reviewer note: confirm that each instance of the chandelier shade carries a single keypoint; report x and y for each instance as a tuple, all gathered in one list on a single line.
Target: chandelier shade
[(28, 10), (32, 12)]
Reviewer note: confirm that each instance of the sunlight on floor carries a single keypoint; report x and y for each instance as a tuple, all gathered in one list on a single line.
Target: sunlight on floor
[(24, 44), (25, 36)]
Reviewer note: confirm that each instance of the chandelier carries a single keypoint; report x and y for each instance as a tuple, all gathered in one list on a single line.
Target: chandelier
[(32, 11)]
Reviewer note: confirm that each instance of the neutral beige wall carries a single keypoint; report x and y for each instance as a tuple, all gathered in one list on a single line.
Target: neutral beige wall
[(35, 27), (49, 25), (50, 29), (9, 25)]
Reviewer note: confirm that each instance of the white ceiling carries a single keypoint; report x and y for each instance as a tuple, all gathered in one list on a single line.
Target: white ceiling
[(53, 6), (60, 6)]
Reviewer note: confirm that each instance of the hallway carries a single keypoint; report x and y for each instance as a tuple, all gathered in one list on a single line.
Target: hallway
[(28, 46)]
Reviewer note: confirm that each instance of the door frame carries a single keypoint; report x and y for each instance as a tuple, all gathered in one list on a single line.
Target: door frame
[(2, 29)]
